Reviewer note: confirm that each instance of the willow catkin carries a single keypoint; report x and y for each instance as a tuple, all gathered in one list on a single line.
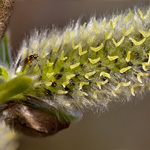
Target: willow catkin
[(86, 66), (58, 74)]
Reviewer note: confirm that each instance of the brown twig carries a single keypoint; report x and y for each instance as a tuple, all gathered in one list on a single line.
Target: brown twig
[(6, 7)]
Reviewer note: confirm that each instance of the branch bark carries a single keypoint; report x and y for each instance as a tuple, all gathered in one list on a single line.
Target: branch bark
[(6, 7)]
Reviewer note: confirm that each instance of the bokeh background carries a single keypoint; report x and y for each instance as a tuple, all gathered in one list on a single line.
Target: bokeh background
[(123, 126)]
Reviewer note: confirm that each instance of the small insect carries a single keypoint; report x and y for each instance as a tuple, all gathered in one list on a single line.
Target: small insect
[(30, 58), (54, 84)]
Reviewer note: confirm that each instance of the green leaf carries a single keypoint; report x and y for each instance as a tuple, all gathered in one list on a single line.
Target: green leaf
[(14, 87), (5, 56), (3, 73), (7, 51), (2, 52)]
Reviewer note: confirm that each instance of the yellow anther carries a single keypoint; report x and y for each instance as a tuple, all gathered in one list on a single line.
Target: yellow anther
[(141, 14), (113, 23), (125, 69), (111, 58), (90, 40), (122, 84), (126, 33), (104, 21), (84, 93), (97, 31), (80, 50), (45, 55), (133, 87), (144, 65), (101, 83), (113, 93), (108, 36), (95, 94), (75, 65), (75, 46), (87, 75), (149, 57), (127, 17), (105, 74), (49, 64), (147, 15), (68, 77), (81, 93), (67, 37), (55, 48), (118, 43), (62, 92), (96, 49), (62, 56), (96, 27), (94, 61), (49, 75), (141, 74), (82, 28), (137, 42), (64, 84), (82, 84), (128, 56), (139, 78), (145, 34)]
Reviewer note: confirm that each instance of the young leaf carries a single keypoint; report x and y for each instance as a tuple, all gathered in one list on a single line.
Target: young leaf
[(3, 73), (5, 56), (14, 87)]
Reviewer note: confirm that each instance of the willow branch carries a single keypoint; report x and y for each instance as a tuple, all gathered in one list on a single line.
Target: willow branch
[(6, 7)]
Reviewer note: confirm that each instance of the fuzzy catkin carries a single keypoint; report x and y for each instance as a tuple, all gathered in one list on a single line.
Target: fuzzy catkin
[(87, 66)]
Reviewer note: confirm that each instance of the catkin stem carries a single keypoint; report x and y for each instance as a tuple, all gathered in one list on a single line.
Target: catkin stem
[(6, 7)]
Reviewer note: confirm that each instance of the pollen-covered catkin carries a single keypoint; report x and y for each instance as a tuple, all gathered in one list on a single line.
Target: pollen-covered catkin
[(87, 66)]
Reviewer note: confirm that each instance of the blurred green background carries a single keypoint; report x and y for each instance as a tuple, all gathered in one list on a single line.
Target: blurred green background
[(123, 126)]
